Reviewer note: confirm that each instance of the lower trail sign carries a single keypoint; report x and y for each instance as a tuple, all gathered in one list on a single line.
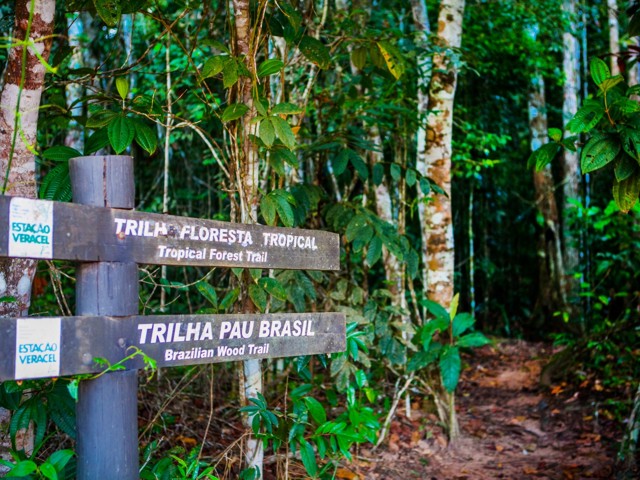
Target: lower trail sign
[(109, 239), (52, 347)]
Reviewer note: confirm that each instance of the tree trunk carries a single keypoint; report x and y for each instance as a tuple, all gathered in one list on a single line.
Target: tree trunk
[(614, 35), (425, 63), (19, 107), (75, 91), (551, 274), (570, 160), (437, 158), (247, 179)]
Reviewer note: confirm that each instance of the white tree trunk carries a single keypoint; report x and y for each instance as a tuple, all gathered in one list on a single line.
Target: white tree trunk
[(614, 35), (570, 160), (19, 108), (437, 158)]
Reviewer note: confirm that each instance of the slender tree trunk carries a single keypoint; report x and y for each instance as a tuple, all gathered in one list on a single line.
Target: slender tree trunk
[(570, 160), (551, 276), (19, 106), (75, 91), (425, 62), (440, 260), (248, 181), (614, 35), (437, 158)]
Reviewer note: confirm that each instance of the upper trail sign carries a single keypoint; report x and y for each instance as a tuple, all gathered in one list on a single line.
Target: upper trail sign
[(65, 231)]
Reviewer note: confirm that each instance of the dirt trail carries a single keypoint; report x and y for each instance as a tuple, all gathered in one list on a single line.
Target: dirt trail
[(512, 428)]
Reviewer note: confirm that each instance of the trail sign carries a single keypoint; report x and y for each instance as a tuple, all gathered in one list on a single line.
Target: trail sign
[(51, 347), (65, 231)]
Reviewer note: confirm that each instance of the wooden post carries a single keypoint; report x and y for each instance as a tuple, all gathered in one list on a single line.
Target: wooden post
[(107, 416)]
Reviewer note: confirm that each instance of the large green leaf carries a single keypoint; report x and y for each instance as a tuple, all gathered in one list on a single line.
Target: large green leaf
[(146, 137), (60, 153), (543, 156), (230, 73), (234, 112), (461, 323), (214, 65), (315, 51), (208, 292), (599, 70), (268, 209), (308, 456), (625, 166), (109, 11), (359, 57), (121, 131), (339, 162), (269, 67), (598, 152), (471, 340), (359, 164), (316, 410), (284, 132), (266, 132), (258, 297), (626, 193), (374, 252), (587, 117), (285, 108), (450, 366), (122, 85), (96, 141)]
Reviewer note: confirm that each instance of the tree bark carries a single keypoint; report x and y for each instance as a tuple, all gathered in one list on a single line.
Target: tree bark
[(570, 160), (437, 158), (247, 179), (614, 35), (19, 107), (425, 64), (551, 296)]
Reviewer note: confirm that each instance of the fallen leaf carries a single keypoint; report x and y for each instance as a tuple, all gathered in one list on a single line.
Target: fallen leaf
[(557, 390), (347, 474), (530, 470), (187, 441), (499, 448)]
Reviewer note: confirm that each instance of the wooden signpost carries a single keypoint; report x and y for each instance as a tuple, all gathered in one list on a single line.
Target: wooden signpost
[(109, 239)]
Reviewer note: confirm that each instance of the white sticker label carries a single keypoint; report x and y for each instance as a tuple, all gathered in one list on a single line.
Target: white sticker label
[(37, 348), (30, 228)]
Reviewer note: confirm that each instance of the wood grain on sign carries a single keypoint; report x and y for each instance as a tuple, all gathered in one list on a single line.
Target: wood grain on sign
[(171, 340)]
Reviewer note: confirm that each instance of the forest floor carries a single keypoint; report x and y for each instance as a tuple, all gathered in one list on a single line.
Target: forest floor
[(511, 428)]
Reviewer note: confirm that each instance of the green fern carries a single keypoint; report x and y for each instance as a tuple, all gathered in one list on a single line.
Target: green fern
[(56, 185)]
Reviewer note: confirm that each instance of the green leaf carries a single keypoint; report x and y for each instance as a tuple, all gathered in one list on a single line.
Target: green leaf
[(472, 340), (262, 105), (60, 153), (375, 251), (377, 174), (599, 70), (308, 457), (359, 57), (214, 66), (268, 209), (286, 109), (393, 59), (266, 132), (598, 152), (626, 193), (315, 51), (285, 212), (47, 470), (357, 224), (609, 83), (425, 186), (284, 132), (412, 263), (121, 132), (436, 309), (339, 162), (233, 112), (269, 67), (461, 323), (109, 11), (586, 117), (274, 288), (555, 134), (453, 308), (625, 167), (146, 137), (23, 468), (258, 297), (229, 73), (122, 85), (396, 171), (316, 410), (450, 365), (543, 156), (100, 119), (56, 184), (410, 177), (359, 165), (208, 292), (60, 458), (96, 141)]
